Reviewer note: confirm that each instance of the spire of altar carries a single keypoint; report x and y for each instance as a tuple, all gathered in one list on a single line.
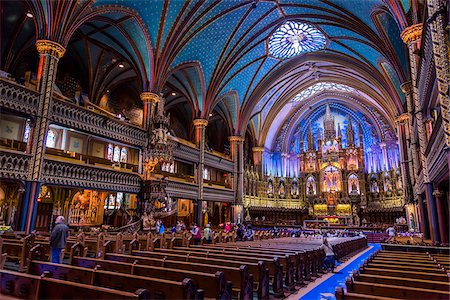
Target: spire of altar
[(350, 133), (328, 124), (310, 138)]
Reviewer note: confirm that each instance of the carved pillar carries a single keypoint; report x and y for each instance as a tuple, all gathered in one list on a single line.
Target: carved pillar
[(149, 100), (385, 158), (237, 154), (49, 54), (441, 53), (258, 160), (200, 129), (441, 216), (403, 156)]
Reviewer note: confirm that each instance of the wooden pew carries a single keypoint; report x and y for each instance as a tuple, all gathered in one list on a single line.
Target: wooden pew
[(402, 281), (214, 285), (259, 269), (17, 249), (274, 263), (157, 288), (26, 286), (287, 260), (408, 274), (401, 292), (342, 295), (240, 276)]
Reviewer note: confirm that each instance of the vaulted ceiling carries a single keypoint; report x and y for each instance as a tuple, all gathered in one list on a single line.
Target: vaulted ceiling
[(214, 54)]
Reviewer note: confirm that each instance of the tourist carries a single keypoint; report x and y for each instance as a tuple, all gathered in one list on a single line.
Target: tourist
[(240, 232), (208, 233), (227, 227), (197, 234), (391, 232), (161, 228), (178, 228), (58, 239), (174, 230), (329, 260)]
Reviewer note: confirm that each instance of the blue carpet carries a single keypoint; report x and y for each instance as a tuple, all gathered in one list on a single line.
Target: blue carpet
[(338, 279)]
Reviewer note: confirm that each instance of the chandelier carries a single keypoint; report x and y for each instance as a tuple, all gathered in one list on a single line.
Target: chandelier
[(159, 148)]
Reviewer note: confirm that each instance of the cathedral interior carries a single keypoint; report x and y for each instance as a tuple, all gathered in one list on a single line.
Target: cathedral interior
[(280, 113), (273, 111)]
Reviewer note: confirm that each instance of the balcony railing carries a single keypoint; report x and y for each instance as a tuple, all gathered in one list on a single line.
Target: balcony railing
[(17, 97), (83, 176), (83, 119), (14, 165)]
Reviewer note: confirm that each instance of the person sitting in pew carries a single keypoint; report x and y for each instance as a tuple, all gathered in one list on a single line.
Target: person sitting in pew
[(197, 234), (329, 260), (58, 239), (208, 233)]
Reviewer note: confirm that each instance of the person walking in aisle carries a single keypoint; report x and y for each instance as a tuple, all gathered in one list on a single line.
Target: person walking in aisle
[(58, 239)]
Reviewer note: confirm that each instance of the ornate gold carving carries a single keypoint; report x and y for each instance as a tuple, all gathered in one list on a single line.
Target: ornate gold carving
[(406, 87), (236, 139), (401, 118), (200, 122), (149, 97), (437, 193), (50, 47), (258, 149), (412, 33)]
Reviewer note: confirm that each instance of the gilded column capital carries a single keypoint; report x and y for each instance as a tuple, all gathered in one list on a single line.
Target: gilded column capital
[(437, 193), (50, 47), (411, 33), (258, 149), (236, 139), (406, 87), (200, 122), (149, 97), (402, 118)]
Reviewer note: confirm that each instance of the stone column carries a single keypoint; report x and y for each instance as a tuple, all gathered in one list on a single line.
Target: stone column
[(200, 129), (385, 158), (403, 156), (411, 36), (149, 100), (258, 160), (441, 216), (413, 159), (49, 54), (237, 154), (441, 53)]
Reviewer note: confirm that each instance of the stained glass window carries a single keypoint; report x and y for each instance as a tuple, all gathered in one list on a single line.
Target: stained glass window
[(116, 155), (51, 139), (321, 86), (26, 134), (109, 153), (294, 38), (123, 155)]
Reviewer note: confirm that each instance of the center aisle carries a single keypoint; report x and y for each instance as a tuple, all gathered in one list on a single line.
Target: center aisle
[(326, 288)]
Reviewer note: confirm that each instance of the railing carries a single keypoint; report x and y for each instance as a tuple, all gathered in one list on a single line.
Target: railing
[(18, 98), (14, 165), (218, 194), (274, 203), (83, 119), (72, 174)]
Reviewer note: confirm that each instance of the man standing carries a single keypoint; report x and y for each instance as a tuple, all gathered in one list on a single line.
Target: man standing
[(58, 239)]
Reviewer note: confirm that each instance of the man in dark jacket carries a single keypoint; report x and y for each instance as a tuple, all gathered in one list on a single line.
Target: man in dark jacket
[(58, 239)]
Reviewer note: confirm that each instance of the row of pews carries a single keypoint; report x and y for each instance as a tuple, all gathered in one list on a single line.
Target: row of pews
[(399, 275), (139, 269)]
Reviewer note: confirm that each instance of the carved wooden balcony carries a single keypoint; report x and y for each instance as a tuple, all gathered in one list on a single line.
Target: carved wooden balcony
[(14, 165), (17, 97), (85, 176), (83, 119)]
